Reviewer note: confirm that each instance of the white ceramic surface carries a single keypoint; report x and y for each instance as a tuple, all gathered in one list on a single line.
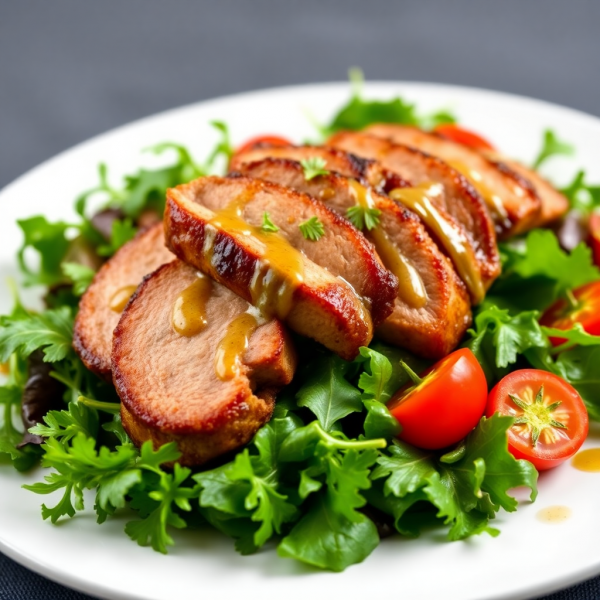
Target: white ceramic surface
[(528, 559)]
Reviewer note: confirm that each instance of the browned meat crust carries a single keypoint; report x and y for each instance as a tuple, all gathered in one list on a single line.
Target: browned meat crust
[(521, 204), (324, 307), (459, 200), (167, 382), (554, 204), (96, 321), (431, 331)]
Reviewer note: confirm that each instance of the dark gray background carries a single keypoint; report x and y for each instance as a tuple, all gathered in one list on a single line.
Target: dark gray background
[(70, 69)]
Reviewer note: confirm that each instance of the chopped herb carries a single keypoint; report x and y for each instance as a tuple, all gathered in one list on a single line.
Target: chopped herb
[(312, 229), (362, 217), (313, 167), (267, 224)]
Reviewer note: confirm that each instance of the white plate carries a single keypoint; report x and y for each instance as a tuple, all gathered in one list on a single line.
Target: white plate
[(528, 559)]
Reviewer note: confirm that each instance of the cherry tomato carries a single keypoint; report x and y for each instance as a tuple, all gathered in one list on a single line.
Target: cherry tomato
[(459, 134), (551, 421), (595, 236), (584, 308), (443, 404), (266, 140)]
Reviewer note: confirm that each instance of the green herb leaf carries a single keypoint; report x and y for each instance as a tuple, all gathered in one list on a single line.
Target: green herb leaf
[(268, 225), (326, 391), (312, 229), (362, 217), (122, 232), (582, 196), (552, 146), (66, 424), (313, 167), (51, 330), (80, 275)]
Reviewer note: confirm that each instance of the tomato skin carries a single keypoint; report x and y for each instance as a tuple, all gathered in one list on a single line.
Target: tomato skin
[(267, 140), (446, 406), (463, 136), (561, 444), (594, 240), (560, 316)]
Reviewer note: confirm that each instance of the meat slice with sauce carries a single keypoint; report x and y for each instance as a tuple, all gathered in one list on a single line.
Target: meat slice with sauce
[(101, 305), (195, 364), (510, 197), (432, 308), (454, 195), (333, 289)]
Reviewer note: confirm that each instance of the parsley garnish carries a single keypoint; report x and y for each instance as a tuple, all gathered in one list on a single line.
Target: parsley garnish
[(312, 229), (552, 146), (267, 224), (313, 167), (362, 217)]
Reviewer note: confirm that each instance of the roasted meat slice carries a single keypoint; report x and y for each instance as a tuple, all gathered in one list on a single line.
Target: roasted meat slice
[(453, 194), (511, 199), (101, 305), (193, 364), (432, 309), (341, 162), (332, 289), (554, 204)]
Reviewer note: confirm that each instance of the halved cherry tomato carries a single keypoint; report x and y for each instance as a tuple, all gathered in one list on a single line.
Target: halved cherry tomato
[(584, 308), (551, 421), (595, 236), (267, 140), (459, 134), (443, 404)]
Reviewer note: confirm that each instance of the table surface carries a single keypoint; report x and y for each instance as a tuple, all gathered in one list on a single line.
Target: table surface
[(70, 70)]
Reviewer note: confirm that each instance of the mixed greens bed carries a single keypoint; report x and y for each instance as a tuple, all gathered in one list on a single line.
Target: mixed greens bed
[(326, 477)]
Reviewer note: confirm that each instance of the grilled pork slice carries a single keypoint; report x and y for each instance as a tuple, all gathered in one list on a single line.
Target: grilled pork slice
[(101, 305), (432, 309), (209, 387), (554, 204), (456, 197), (510, 197), (332, 289), (341, 162)]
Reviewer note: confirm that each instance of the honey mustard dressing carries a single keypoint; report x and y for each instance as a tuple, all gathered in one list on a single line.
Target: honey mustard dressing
[(492, 200), (230, 351), (587, 460), (121, 297), (4, 368), (411, 288), (452, 239), (554, 514), (188, 317), (281, 267)]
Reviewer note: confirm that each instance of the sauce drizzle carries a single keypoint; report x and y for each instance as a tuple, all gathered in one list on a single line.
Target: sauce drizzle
[(228, 357), (121, 297), (587, 460), (411, 289), (554, 514), (452, 239), (188, 317), (281, 267)]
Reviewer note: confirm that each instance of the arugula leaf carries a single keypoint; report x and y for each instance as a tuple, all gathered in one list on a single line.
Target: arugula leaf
[(312, 229), (51, 330), (267, 224), (358, 113), (362, 217), (498, 338), (51, 243), (326, 391), (313, 167), (552, 146), (582, 196), (80, 275)]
